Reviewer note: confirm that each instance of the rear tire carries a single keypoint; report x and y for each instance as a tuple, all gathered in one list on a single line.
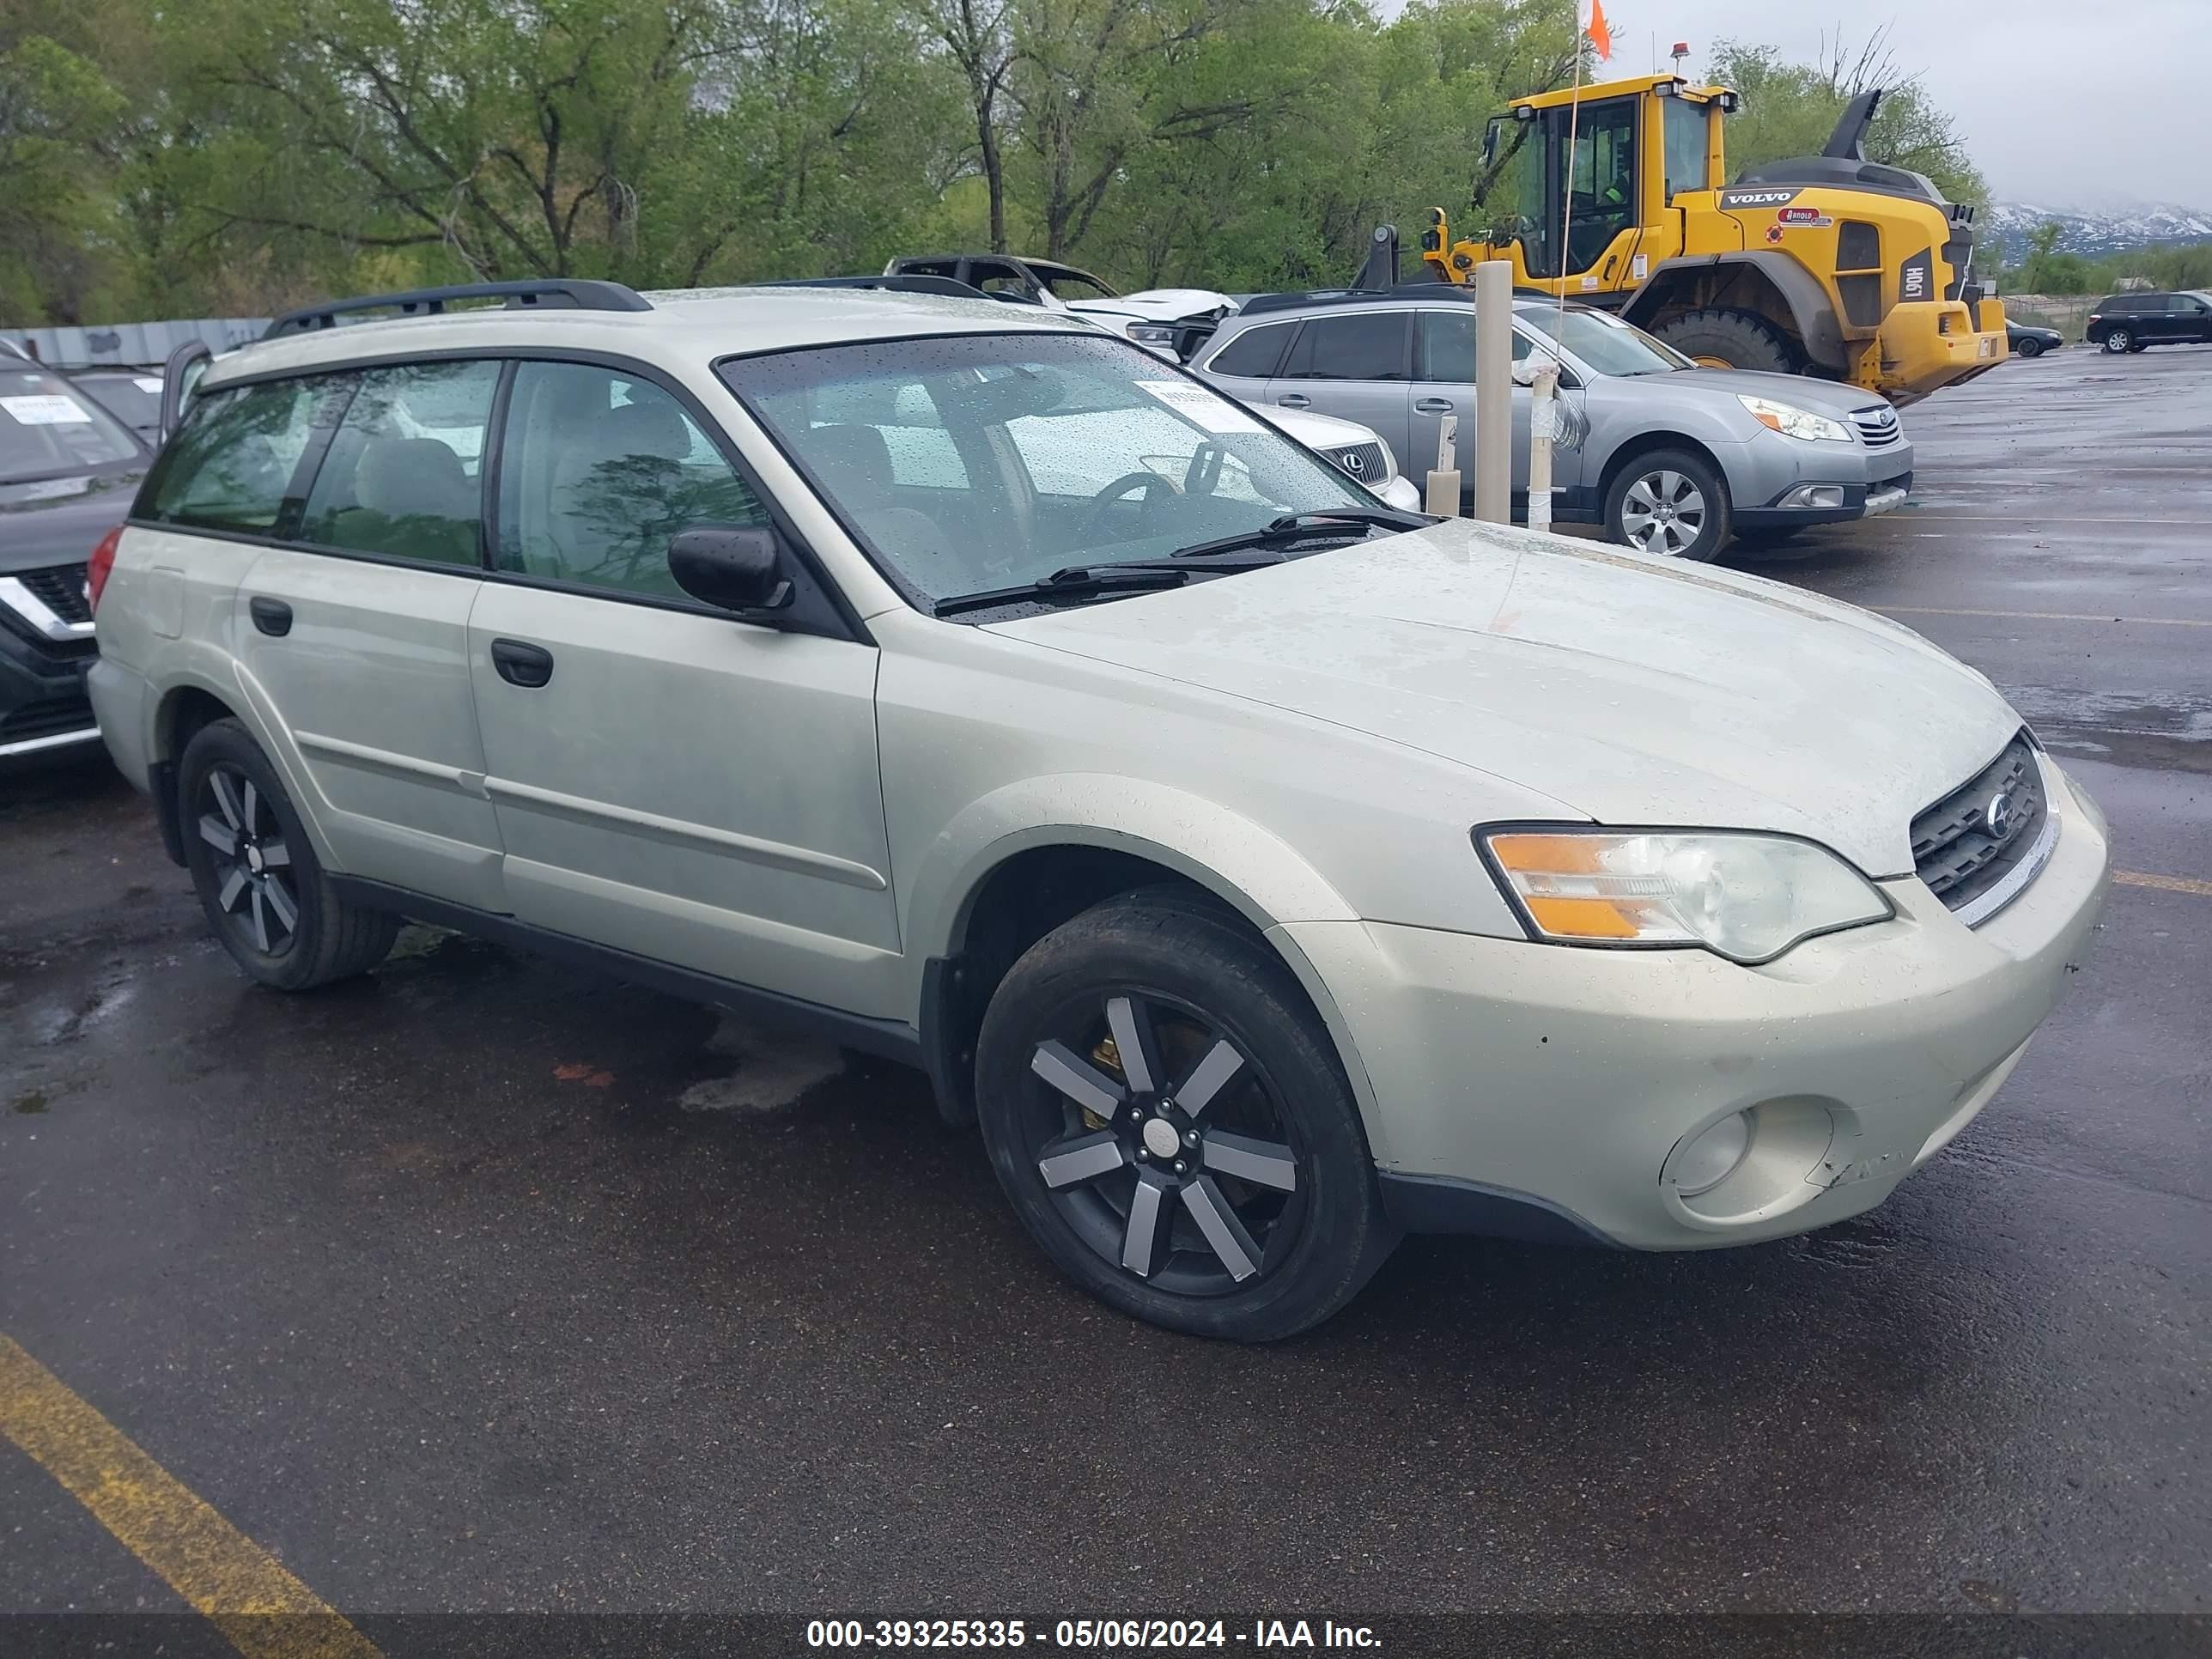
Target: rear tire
[(2120, 340), (1670, 503), (1169, 1120), (1721, 337), (264, 892)]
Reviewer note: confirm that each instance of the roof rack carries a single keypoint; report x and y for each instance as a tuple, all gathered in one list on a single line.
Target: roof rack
[(554, 293), (916, 283), (1461, 292)]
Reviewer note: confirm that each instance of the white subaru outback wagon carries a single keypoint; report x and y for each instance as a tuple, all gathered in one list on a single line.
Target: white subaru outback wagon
[(1270, 873)]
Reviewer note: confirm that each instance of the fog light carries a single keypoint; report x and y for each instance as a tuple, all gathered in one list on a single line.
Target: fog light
[(1815, 495), (1712, 1158)]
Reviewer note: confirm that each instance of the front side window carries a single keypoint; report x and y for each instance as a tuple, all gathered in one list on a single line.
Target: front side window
[(1445, 353), (401, 477), (48, 427), (598, 471), (230, 465), (1602, 180), (1361, 345), (1073, 450)]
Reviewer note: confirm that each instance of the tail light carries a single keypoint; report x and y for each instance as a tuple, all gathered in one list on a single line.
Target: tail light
[(97, 569)]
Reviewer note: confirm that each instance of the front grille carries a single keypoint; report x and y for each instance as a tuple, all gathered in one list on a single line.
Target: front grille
[(1366, 462), (46, 717), (1878, 426), (60, 588), (1963, 845)]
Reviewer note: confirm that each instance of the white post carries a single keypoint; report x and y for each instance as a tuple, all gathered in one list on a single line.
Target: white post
[(1543, 427), (1493, 392), (1443, 493)]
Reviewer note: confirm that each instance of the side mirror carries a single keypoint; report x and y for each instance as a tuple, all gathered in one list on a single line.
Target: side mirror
[(730, 568)]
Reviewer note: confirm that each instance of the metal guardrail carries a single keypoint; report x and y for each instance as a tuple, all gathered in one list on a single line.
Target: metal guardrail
[(124, 345)]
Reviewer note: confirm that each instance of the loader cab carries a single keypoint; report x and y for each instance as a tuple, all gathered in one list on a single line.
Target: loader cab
[(1609, 168)]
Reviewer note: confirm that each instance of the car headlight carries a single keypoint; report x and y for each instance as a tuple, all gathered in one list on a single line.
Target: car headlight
[(1746, 897), (1161, 337), (1792, 421)]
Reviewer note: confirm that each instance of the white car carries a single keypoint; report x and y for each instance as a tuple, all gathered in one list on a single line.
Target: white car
[(1170, 321), (1269, 873)]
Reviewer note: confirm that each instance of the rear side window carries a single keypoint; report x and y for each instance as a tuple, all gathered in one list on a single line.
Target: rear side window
[(1362, 346), (597, 469), (233, 461), (402, 476), (1254, 354)]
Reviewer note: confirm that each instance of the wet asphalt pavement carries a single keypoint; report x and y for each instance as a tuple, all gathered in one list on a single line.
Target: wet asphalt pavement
[(483, 1283)]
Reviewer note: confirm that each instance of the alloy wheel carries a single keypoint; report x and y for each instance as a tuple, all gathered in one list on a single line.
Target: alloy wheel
[(1664, 512), (1164, 1145), (252, 865)]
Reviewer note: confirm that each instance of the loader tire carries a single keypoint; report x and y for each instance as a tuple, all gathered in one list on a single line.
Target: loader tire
[(1720, 338)]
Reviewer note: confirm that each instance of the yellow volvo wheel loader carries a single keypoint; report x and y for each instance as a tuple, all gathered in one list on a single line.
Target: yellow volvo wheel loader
[(1827, 265)]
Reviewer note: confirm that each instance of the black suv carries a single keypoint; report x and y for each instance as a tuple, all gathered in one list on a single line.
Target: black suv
[(2129, 322), (68, 471)]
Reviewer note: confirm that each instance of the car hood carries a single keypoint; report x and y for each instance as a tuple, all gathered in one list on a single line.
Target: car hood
[(51, 521), (1158, 305), (1821, 397), (1636, 690), (1318, 431)]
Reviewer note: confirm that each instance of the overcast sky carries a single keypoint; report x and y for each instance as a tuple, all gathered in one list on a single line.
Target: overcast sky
[(2059, 101)]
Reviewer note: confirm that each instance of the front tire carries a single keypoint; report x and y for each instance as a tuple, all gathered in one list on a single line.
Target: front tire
[(1671, 503), (2029, 349), (1169, 1120), (264, 892), (1720, 338)]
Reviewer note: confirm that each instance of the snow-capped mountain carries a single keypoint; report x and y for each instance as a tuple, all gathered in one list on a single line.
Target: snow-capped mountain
[(2094, 228)]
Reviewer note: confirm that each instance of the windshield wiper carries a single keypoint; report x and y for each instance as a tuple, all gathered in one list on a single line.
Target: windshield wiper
[(1130, 576), (1072, 579), (1303, 526)]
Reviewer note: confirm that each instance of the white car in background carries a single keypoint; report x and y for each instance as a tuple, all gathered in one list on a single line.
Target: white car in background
[(1172, 321)]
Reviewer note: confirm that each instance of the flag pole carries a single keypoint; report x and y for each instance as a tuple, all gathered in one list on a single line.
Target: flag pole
[(1567, 175)]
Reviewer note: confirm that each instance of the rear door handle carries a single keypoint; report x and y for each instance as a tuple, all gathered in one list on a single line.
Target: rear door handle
[(1433, 406), (1293, 400), (271, 617), (526, 666)]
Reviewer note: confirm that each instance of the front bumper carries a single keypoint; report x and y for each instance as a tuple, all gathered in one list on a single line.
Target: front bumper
[(43, 707), (1926, 345), (1768, 476), (1540, 1090)]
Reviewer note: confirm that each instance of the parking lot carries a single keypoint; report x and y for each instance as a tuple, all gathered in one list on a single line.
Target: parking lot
[(484, 1285)]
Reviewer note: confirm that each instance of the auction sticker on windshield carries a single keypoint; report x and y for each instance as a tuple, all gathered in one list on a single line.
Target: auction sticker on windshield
[(1207, 410), (46, 410)]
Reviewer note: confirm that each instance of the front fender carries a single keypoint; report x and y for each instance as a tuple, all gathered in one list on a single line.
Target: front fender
[(1240, 862)]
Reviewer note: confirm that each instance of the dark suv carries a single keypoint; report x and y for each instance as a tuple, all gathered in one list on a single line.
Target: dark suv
[(2129, 322), (68, 471)]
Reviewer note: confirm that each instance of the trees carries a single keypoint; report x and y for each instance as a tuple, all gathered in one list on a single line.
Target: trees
[(1791, 108), (234, 156)]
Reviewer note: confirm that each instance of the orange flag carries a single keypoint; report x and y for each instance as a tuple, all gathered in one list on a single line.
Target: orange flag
[(1600, 31)]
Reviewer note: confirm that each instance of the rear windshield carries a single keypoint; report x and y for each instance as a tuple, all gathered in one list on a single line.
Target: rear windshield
[(48, 427)]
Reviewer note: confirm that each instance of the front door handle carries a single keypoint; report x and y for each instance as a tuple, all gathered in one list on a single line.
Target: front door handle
[(526, 666), (1433, 406), (1293, 400), (272, 616)]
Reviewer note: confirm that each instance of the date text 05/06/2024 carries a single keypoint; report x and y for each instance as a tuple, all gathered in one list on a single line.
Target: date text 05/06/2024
[(1097, 1635)]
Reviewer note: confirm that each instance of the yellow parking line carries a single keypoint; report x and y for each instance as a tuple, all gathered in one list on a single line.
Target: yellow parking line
[(2041, 616), (263, 1610), (2164, 884)]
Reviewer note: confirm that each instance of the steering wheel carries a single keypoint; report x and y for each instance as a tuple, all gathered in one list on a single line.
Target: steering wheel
[(1153, 485)]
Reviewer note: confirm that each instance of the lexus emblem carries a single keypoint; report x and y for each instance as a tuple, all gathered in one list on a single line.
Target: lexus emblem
[(1997, 816), (1355, 463)]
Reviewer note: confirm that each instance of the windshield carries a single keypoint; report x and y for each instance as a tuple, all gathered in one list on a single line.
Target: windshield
[(133, 399), (1071, 284), (975, 462), (47, 427), (1605, 345)]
